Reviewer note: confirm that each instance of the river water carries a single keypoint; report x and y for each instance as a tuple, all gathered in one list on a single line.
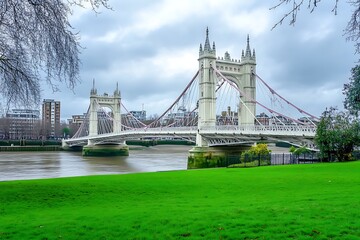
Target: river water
[(35, 165)]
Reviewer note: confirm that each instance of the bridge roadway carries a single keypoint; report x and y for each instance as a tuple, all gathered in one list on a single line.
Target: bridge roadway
[(216, 136)]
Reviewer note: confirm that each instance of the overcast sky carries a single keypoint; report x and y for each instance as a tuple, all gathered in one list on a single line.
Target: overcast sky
[(150, 47)]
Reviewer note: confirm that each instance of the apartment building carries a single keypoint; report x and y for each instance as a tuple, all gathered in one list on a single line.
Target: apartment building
[(51, 118)]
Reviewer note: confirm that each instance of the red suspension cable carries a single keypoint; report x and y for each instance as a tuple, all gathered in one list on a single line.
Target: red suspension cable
[(176, 101), (253, 100), (274, 92)]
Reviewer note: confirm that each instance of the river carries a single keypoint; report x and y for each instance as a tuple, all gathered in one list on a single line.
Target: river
[(36, 165)]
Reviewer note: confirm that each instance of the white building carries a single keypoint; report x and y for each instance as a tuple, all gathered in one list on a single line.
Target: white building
[(24, 123)]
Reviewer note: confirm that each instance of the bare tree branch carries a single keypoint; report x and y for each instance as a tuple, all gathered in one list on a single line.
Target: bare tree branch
[(352, 30), (36, 42), (295, 9)]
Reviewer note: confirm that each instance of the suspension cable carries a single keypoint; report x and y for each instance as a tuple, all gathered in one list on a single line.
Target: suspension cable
[(172, 105), (253, 100), (274, 92)]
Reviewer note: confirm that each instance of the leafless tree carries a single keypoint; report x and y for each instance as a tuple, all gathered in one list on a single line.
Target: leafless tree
[(352, 30), (38, 42)]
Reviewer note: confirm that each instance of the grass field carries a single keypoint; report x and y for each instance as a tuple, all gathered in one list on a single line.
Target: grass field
[(309, 201)]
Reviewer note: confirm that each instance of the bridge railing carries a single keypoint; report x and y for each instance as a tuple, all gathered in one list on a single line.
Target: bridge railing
[(257, 128), (250, 128), (162, 129), (253, 130)]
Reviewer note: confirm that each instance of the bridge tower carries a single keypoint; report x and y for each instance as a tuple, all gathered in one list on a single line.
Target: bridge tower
[(114, 103), (241, 73), (207, 83)]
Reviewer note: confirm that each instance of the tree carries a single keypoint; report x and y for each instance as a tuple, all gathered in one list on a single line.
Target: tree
[(258, 152), (36, 40), (260, 149), (299, 151), (66, 131), (352, 92), (337, 134), (352, 30)]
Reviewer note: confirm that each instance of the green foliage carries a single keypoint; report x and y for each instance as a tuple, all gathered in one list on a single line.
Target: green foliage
[(258, 152), (292, 149), (308, 201), (207, 160), (337, 134), (66, 131), (260, 148), (245, 164), (299, 151), (352, 92)]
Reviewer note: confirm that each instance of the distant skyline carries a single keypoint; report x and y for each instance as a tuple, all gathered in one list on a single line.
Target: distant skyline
[(151, 48)]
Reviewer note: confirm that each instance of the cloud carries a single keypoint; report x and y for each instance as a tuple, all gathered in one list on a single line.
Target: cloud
[(243, 21), (151, 49), (323, 30)]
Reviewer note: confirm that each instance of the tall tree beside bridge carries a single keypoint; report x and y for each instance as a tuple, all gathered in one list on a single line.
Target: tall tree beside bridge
[(36, 40), (352, 92), (337, 134)]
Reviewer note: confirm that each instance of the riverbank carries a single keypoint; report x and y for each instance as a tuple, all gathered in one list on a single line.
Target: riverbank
[(50, 145), (277, 202), (29, 148)]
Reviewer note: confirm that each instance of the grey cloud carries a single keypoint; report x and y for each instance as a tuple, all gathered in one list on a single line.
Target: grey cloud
[(292, 67)]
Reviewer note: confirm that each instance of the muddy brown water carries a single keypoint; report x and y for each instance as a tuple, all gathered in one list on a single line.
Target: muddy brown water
[(36, 165)]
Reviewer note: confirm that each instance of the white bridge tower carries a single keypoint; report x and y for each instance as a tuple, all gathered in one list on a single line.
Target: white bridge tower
[(113, 102), (241, 72)]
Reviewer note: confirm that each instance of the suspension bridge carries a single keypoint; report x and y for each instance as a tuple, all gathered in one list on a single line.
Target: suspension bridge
[(226, 103)]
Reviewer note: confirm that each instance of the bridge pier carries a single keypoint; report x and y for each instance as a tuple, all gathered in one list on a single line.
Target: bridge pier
[(210, 157), (64, 145), (105, 149)]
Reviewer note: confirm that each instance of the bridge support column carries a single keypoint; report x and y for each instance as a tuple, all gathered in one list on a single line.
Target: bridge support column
[(64, 145), (105, 149)]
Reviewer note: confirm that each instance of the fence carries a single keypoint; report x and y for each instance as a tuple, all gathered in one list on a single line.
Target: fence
[(271, 159), (289, 158)]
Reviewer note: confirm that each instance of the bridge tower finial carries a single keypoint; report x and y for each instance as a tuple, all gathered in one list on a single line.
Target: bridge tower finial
[(207, 47), (207, 42), (248, 50), (93, 90), (248, 56), (117, 91)]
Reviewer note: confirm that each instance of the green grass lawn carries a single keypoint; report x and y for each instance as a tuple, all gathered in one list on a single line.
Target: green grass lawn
[(310, 201)]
